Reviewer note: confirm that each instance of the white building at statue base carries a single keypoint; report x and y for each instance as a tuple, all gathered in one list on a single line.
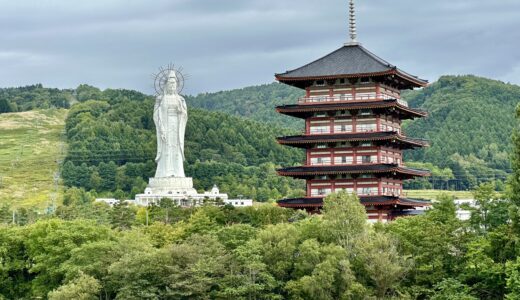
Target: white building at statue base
[(179, 189)]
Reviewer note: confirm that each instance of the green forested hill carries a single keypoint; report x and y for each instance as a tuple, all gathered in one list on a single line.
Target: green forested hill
[(469, 125), (255, 102), (33, 97)]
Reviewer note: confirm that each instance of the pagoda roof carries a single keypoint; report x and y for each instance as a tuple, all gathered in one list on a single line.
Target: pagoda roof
[(303, 141), (306, 171), (350, 61), (365, 200), (305, 110)]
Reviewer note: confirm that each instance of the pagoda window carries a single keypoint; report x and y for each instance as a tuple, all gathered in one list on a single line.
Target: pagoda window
[(343, 113), (366, 144), (365, 112), (345, 176), (366, 127), (320, 129), (364, 80), (366, 176), (341, 81), (342, 128), (320, 161), (321, 146), (343, 145), (320, 192), (348, 190), (320, 114), (367, 191), (320, 83), (365, 159), (323, 177), (343, 160)]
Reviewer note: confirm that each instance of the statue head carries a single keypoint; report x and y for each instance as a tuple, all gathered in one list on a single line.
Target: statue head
[(171, 83)]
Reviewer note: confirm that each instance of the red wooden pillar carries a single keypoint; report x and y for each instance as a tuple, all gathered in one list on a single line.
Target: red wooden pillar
[(307, 126), (307, 92), (378, 123), (378, 91)]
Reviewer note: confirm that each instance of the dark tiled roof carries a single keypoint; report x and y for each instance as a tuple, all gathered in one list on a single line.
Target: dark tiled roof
[(297, 110), (365, 200), (345, 61), (305, 171), (366, 136)]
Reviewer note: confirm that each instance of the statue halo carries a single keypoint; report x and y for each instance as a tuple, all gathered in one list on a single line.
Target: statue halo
[(161, 77)]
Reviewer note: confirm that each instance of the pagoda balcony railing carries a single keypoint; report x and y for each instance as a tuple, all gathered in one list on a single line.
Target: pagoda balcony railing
[(391, 194), (352, 163), (328, 131), (347, 98)]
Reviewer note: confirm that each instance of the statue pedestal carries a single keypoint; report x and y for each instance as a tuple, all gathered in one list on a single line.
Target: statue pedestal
[(171, 186), (179, 189)]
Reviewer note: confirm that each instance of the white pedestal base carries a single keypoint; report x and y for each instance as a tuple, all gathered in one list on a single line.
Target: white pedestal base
[(171, 186), (178, 189)]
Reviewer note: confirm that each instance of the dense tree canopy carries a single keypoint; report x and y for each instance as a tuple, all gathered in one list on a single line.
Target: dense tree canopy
[(469, 126), (87, 250), (255, 102), (33, 97)]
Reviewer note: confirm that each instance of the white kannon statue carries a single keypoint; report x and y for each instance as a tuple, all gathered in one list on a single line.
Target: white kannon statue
[(170, 116)]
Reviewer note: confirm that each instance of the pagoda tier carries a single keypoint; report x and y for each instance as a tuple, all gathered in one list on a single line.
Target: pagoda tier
[(352, 61), (310, 202), (392, 170), (333, 141), (379, 208), (392, 107)]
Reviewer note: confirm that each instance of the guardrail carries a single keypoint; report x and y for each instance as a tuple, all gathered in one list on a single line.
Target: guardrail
[(347, 98)]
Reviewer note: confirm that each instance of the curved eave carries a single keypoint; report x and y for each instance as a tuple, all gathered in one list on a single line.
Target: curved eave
[(304, 110), (305, 141), (317, 202), (306, 171), (411, 80)]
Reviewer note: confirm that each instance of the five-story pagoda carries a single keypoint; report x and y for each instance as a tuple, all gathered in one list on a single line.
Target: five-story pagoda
[(353, 139)]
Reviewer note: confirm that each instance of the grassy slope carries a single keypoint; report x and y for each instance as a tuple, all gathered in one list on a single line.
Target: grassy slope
[(31, 144)]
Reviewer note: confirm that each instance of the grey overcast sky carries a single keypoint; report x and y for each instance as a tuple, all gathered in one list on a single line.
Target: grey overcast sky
[(226, 44)]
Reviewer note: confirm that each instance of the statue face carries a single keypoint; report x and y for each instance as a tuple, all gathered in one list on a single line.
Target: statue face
[(171, 83)]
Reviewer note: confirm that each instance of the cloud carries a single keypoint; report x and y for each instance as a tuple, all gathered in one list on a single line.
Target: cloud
[(234, 43)]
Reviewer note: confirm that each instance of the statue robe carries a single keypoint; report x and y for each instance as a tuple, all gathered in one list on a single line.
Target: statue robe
[(170, 116)]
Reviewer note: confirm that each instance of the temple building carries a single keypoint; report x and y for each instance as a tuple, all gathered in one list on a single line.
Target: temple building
[(353, 138)]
